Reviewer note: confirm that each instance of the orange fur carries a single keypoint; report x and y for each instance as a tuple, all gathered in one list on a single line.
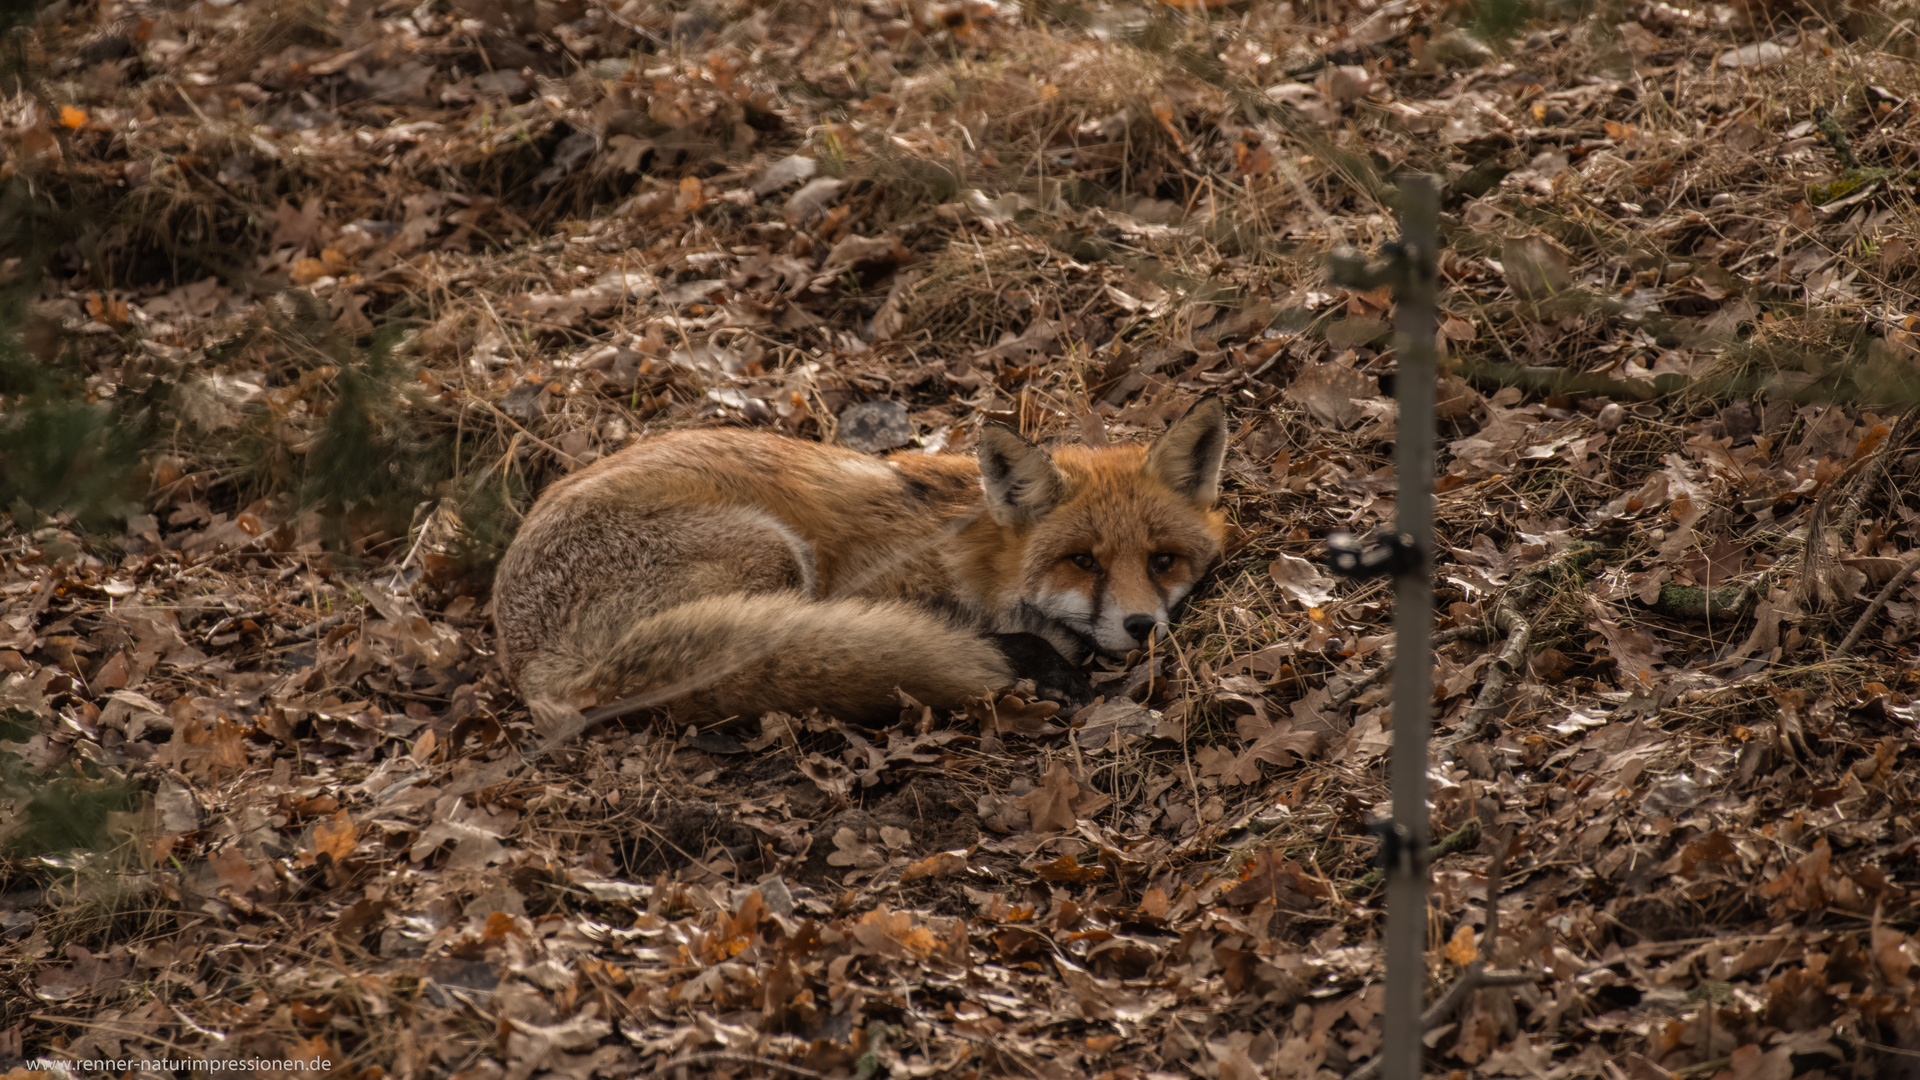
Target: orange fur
[(746, 571)]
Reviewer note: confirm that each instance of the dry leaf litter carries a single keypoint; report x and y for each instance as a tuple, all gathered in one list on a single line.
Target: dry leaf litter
[(267, 797)]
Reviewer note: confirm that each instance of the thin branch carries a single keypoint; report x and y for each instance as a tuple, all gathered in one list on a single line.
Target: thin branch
[(1495, 875), (1478, 975), (531, 437), (1476, 631), (1871, 472), (1460, 839), (1493, 689), (1526, 588), (1873, 609), (320, 626)]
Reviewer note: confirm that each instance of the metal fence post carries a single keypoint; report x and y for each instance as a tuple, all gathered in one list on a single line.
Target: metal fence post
[(1413, 271), (1416, 323)]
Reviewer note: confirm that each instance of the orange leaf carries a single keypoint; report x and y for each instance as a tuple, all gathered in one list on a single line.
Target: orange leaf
[(919, 939), (73, 117), (310, 1051), (1163, 112), (336, 838), (499, 925), (1065, 868), (1460, 948), (692, 197), (1869, 441), (307, 271), (939, 864), (310, 1015)]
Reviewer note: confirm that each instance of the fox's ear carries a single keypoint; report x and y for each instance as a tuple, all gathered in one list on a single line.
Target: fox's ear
[(1019, 478), (1188, 457)]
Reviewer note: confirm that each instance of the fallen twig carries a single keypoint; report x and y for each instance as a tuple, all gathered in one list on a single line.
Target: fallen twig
[(1478, 976), (1460, 839), (1868, 475), (864, 1066), (1493, 689), (1354, 689), (1879, 601), (1507, 618), (319, 626), (531, 437)]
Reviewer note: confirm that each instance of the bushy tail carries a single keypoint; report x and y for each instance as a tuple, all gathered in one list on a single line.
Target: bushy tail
[(748, 653)]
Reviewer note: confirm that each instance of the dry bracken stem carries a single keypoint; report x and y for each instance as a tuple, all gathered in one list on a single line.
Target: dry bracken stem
[(1812, 557)]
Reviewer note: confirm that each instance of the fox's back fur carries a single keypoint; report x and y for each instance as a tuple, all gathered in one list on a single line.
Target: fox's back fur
[(732, 572)]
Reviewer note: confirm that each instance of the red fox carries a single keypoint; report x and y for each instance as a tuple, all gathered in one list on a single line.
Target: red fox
[(736, 572)]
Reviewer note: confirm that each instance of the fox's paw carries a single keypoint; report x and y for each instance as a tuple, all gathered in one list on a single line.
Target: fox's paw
[(1054, 676)]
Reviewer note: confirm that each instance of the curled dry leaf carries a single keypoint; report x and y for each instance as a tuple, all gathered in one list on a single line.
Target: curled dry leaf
[(1332, 394), (1535, 267), (1301, 580), (938, 865)]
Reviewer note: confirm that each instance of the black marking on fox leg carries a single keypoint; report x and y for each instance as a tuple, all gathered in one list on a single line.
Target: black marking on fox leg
[(1057, 679)]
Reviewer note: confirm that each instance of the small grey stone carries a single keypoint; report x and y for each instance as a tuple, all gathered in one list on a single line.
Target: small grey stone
[(525, 401), (874, 426)]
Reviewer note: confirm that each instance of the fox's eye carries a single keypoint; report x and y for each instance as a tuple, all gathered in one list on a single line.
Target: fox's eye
[(1160, 564), (1085, 562)]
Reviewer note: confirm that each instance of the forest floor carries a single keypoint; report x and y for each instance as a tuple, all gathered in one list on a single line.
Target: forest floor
[(322, 294)]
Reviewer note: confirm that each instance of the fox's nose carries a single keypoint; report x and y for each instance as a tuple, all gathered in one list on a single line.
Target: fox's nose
[(1139, 627)]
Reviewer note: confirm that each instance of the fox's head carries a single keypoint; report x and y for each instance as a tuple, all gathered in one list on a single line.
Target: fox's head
[(1113, 538)]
